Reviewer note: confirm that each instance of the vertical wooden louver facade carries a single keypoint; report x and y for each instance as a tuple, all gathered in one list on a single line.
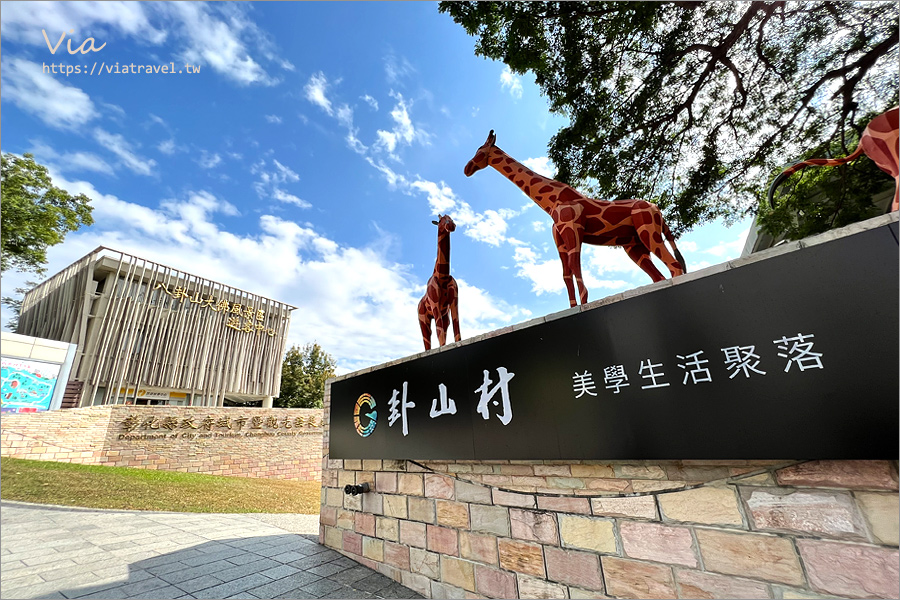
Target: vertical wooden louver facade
[(140, 325)]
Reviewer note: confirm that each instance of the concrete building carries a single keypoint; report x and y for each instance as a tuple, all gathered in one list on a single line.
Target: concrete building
[(150, 334)]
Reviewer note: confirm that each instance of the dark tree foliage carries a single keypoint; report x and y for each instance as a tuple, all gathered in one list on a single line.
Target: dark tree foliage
[(817, 199), (694, 105), (35, 213), (303, 376)]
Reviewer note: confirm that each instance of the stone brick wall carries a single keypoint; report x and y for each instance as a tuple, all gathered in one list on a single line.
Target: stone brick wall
[(765, 530), (215, 441)]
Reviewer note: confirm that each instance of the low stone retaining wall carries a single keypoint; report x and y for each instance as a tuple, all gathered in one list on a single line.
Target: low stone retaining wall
[(680, 529), (252, 442)]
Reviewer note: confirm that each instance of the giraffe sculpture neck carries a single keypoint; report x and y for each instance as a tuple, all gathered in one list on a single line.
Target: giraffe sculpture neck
[(442, 264), (531, 183)]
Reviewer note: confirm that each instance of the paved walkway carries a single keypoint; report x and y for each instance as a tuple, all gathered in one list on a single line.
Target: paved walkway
[(64, 552)]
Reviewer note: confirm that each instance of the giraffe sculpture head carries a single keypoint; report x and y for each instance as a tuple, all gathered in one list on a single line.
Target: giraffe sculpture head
[(480, 160), (445, 224)]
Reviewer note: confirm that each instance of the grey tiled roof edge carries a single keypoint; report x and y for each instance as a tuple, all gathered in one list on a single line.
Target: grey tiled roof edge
[(852, 229)]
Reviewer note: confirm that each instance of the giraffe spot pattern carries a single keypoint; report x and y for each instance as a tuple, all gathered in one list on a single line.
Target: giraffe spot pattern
[(569, 194)]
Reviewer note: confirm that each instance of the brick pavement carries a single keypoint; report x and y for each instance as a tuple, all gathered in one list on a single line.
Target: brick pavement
[(64, 552)]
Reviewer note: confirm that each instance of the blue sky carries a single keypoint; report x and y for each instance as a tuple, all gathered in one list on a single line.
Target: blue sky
[(305, 160)]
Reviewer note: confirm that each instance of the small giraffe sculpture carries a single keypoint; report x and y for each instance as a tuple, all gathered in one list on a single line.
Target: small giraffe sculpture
[(636, 225), (878, 142), (441, 294)]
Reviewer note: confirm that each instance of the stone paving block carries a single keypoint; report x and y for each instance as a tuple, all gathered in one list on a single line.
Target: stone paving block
[(174, 577), (36, 570), (236, 572), (200, 583), (141, 588), (351, 575), (279, 571), (206, 557), (373, 583), (326, 570), (167, 567), (233, 587), (285, 557), (346, 592), (277, 588), (315, 560)]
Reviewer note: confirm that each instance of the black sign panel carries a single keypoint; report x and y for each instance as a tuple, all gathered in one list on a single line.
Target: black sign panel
[(795, 356)]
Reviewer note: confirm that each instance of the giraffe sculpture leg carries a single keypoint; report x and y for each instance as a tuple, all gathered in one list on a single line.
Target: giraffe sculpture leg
[(641, 257), (425, 324), (568, 242), (650, 229), (443, 323), (454, 309)]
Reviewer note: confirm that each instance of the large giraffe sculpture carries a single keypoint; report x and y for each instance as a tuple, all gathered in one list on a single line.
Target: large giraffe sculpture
[(636, 225), (441, 294), (878, 142)]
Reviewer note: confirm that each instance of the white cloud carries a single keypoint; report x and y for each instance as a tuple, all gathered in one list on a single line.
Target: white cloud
[(546, 275), (44, 95), (511, 82), (167, 146), (726, 250), (542, 166), (207, 160), (21, 21), (540, 225), (397, 68), (117, 144), (69, 162), (371, 101), (272, 181), (315, 91), (275, 119), (354, 301), (220, 37), (403, 132), (210, 41)]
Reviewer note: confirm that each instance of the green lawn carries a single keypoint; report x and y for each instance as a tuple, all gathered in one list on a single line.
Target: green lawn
[(145, 489)]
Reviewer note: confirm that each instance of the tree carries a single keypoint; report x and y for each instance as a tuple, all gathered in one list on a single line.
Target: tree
[(694, 105), (303, 376), (15, 304), (35, 213), (817, 199)]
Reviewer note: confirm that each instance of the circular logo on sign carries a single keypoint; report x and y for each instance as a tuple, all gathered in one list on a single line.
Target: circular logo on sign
[(372, 415)]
